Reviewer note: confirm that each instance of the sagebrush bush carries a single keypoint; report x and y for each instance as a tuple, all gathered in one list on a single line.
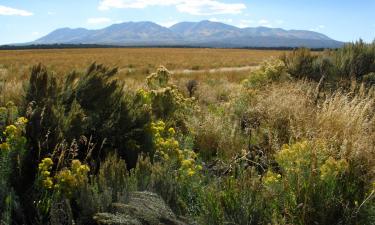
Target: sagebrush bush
[(59, 112), (314, 187), (355, 60), (269, 71), (12, 156)]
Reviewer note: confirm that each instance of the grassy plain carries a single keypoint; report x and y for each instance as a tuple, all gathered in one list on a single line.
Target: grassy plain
[(134, 64), (138, 60)]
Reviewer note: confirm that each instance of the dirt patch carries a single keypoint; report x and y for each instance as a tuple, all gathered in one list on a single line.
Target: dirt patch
[(216, 70)]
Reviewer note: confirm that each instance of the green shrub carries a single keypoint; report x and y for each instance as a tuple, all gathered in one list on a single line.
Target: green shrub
[(112, 184), (302, 63), (164, 99), (369, 79), (108, 115), (269, 71), (355, 60)]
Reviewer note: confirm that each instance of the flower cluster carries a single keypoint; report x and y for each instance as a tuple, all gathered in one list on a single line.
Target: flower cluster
[(65, 180), (271, 178), (297, 158), (168, 150), (14, 135), (164, 99), (333, 168), (45, 168)]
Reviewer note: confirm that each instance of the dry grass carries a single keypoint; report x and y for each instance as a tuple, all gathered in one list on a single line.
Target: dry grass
[(134, 64), (133, 60)]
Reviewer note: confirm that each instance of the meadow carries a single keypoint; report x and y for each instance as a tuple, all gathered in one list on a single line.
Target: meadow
[(141, 60), (134, 64), (290, 140)]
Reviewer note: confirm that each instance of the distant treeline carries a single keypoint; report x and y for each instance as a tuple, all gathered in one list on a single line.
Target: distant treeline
[(73, 46)]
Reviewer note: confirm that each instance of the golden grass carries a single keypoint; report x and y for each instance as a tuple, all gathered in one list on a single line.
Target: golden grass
[(132, 60), (134, 64)]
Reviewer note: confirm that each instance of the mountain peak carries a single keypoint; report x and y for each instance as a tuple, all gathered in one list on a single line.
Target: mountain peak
[(204, 33)]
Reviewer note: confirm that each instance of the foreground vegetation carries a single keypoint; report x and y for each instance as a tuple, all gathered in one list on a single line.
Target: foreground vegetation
[(293, 143)]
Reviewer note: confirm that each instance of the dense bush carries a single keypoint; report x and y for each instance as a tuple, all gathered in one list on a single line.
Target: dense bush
[(93, 105), (354, 61)]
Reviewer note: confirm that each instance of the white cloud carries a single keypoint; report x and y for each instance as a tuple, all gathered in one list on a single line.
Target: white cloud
[(51, 13), (35, 33), (99, 20), (194, 7), (7, 11), (279, 22)]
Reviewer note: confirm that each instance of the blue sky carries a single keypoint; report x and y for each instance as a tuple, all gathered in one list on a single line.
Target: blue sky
[(344, 20)]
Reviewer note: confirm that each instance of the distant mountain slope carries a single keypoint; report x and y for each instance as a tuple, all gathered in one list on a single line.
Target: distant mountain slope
[(65, 35), (201, 34)]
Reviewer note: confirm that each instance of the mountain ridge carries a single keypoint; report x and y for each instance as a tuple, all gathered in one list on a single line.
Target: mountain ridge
[(203, 34)]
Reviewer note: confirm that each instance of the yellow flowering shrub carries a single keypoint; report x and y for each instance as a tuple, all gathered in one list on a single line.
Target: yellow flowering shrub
[(4, 146), (307, 157), (66, 180), (13, 138), (45, 168), (269, 71), (167, 149), (164, 99), (311, 178), (333, 168), (271, 178), (295, 158)]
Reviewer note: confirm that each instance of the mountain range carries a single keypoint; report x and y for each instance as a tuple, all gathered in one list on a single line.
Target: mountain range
[(198, 34)]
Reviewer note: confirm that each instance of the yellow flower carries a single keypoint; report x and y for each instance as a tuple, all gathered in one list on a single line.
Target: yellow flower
[(46, 173), (84, 169), (76, 164), (4, 146), (46, 164), (22, 120), (187, 163), (166, 157), (48, 183), (190, 172), (333, 168), (10, 130), (171, 131), (271, 178)]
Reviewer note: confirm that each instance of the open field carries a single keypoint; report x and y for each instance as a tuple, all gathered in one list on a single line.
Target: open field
[(133, 64), (133, 60)]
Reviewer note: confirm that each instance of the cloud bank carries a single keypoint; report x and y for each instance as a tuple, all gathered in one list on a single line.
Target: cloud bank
[(8, 11), (193, 7)]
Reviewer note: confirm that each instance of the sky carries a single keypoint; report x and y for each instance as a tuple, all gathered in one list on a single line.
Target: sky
[(343, 20)]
